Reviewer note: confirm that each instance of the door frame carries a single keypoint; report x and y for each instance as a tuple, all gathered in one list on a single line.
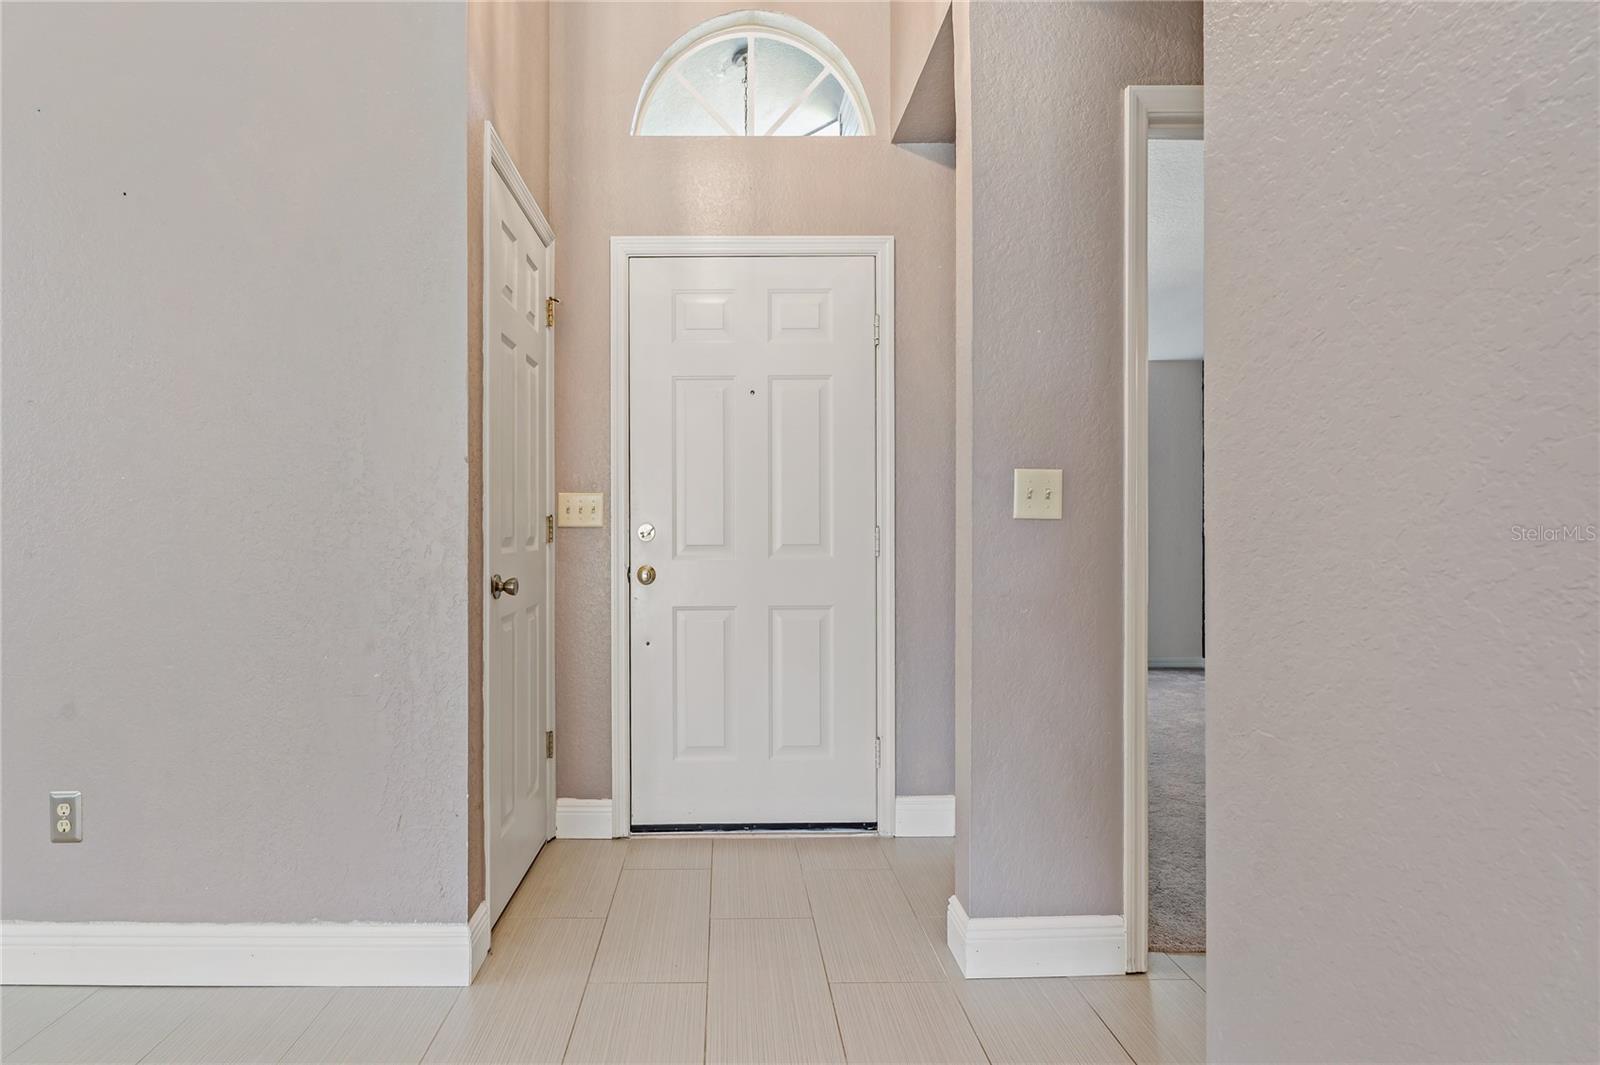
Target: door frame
[(1176, 111), (623, 249), (497, 160)]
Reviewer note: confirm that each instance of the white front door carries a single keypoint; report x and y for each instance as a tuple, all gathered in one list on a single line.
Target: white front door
[(753, 499), (518, 440)]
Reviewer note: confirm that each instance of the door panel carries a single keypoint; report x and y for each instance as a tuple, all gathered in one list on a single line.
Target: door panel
[(517, 403), (752, 451)]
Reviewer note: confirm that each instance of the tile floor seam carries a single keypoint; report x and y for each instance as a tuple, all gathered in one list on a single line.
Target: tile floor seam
[(176, 1025), (705, 1032), (445, 1016), (961, 1000), (588, 977), (822, 958), (1105, 1023), (20, 1046), (309, 1023)]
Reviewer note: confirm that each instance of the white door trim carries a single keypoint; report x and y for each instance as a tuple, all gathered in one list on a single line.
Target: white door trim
[(881, 249), (1147, 111), (497, 160)]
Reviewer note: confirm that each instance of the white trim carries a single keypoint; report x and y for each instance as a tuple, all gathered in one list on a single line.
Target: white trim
[(584, 819), (1001, 947), (925, 815), (881, 249), (481, 931), (497, 160), (1177, 663), (1161, 110), (499, 156), (244, 955)]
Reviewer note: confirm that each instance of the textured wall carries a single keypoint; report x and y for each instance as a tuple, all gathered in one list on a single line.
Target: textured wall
[(913, 26), (606, 183), (1401, 372), (920, 71), (234, 435), (508, 83), (1043, 802), (1177, 494)]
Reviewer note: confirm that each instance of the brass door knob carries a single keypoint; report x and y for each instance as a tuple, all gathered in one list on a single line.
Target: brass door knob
[(647, 574), (509, 586)]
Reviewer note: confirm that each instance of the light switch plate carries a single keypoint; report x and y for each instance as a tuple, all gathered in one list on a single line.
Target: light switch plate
[(1036, 494), (581, 509)]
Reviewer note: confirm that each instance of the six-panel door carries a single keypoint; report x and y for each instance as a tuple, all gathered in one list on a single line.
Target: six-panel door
[(751, 389), (517, 404)]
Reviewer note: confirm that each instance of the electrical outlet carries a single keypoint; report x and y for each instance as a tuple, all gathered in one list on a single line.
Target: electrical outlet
[(1036, 494), (583, 509), (66, 817)]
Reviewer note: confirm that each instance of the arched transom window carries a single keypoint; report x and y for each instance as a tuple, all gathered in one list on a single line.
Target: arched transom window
[(752, 74)]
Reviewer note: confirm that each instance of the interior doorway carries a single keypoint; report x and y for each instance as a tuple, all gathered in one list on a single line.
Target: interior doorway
[(1163, 522), (754, 537), (519, 504)]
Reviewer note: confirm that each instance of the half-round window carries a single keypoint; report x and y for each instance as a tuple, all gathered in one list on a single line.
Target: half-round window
[(752, 74)]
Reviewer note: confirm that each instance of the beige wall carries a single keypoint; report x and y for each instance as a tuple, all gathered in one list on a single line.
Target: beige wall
[(606, 183), (234, 429), (915, 28), (508, 83), (1401, 372), (1039, 805)]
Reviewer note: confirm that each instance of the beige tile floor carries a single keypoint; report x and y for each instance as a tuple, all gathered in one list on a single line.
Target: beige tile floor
[(666, 950)]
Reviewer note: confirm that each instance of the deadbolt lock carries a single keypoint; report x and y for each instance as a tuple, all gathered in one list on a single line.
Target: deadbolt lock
[(647, 574)]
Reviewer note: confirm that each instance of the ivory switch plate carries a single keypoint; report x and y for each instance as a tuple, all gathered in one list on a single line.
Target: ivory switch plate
[(1036, 494), (582, 509)]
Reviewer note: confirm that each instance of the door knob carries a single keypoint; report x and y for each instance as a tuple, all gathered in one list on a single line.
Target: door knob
[(647, 574), (508, 586)]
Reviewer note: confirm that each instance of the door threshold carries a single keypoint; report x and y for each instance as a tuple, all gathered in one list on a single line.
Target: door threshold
[(784, 828)]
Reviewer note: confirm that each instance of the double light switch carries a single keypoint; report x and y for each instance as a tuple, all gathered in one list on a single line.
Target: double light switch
[(1036, 494)]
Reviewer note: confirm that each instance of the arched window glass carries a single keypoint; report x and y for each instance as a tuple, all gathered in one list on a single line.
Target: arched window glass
[(752, 74)]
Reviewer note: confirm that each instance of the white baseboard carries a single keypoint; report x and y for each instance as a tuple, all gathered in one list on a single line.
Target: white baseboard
[(995, 947), (925, 815), (583, 818), (480, 930), (242, 955), (1177, 663)]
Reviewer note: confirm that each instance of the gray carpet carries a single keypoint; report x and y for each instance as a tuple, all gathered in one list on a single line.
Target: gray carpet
[(1178, 810)]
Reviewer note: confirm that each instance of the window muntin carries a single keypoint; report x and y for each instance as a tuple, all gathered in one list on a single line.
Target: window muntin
[(756, 77)]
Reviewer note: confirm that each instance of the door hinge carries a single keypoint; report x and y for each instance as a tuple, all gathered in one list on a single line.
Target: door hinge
[(875, 323), (550, 744), (877, 753), (877, 541), (550, 311), (549, 528)]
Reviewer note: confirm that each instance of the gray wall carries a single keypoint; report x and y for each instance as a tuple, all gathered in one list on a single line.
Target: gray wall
[(1039, 603), (1177, 493), (234, 445), (1401, 373)]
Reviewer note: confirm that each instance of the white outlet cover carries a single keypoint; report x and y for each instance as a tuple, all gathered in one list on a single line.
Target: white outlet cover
[(1036, 494), (581, 509)]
